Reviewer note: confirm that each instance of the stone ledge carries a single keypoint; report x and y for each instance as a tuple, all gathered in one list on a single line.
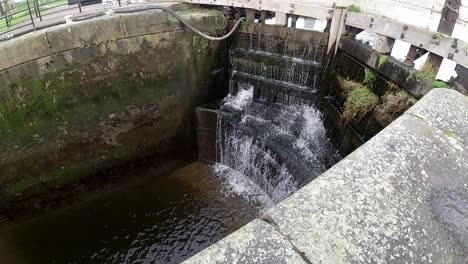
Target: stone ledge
[(256, 242), (452, 119), (101, 30), (400, 198)]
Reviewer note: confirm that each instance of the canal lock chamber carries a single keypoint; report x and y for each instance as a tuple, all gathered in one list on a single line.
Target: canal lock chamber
[(127, 115)]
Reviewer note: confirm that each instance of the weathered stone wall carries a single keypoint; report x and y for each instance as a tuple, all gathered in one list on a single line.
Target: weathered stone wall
[(88, 96)]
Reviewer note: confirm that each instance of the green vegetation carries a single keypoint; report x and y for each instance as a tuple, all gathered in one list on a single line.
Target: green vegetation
[(394, 103), (354, 8), (440, 84), (19, 13), (23, 185), (382, 61), (427, 73), (65, 175), (360, 100), (393, 86), (31, 103), (369, 77)]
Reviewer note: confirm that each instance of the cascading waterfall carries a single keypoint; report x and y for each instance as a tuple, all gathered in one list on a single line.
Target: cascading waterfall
[(271, 140), (265, 153)]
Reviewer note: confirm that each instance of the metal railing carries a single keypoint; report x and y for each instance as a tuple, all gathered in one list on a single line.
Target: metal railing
[(30, 13)]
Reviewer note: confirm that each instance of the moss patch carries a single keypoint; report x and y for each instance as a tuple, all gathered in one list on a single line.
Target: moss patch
[(427, 73), (369, 78), (354, 8), (360, 100), (23, 185), (382, 61), (393, 105), (439, 84)]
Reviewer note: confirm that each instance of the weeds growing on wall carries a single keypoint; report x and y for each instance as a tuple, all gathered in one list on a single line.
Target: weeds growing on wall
[(382, 61), (427, 73), (439, 84), (392, 86), (369, 77), (360, 100), (394, 103), (29, 103), (354, 8)]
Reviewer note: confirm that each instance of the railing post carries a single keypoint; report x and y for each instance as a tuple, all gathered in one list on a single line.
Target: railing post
[(30, 14), (448, 19), (413, 54), (337, 28), (281, 19), (263, 15), (79, 5), (39, 10), (293, 20), (250, 15), (120, 4), (35, 8)]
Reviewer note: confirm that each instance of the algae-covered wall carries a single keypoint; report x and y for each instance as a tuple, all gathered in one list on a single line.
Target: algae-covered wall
[(88, 96)]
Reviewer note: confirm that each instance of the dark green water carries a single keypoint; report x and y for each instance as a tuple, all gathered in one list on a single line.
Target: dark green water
[(164, 219)]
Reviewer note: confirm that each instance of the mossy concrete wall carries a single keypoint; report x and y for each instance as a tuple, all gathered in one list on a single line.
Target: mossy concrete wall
[(88, 96)]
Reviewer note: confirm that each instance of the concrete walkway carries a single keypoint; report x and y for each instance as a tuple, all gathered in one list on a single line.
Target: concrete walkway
[(57, 14), (400, 198)]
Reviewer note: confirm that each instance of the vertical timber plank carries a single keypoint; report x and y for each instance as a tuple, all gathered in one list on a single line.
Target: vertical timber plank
[(341, 28), (337, 28), (293, 20), (281, 19), (263, 15), (383, 44), (448, 19), (250, 14)]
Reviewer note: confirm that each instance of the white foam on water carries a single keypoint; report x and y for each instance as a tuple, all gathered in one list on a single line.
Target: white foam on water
[(241, 99), (313, 125), (237, 184)]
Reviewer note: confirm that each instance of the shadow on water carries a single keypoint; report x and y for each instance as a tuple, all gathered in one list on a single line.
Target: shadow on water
[(161, 220)]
